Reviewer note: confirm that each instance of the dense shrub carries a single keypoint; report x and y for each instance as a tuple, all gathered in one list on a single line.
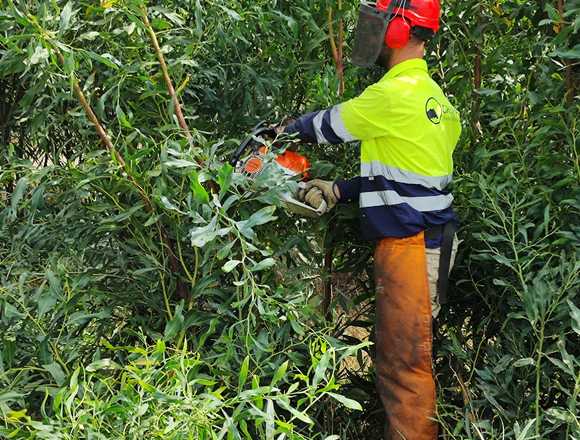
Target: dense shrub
[(148, 291)]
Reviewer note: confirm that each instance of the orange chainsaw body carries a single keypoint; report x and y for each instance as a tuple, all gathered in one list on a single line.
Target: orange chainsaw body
[(251, 157), (291, 162), (294, 162)]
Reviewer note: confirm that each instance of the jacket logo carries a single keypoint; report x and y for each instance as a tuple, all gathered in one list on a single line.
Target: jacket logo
[(434, 110)]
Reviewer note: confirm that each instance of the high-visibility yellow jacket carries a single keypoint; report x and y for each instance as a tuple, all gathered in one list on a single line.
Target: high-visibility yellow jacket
[(408, 131)]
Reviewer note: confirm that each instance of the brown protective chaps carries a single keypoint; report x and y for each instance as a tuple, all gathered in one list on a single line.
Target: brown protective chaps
[(404, 339)]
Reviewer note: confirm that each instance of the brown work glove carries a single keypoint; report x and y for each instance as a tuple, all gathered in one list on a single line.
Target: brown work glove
[(314, 198), (316, 191)]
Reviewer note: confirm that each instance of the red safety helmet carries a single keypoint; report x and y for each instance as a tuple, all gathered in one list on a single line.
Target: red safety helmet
[(392, 22), (406, 15)]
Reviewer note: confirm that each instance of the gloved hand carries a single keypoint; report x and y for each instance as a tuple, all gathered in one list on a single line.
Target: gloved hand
[(317, 190), (314, 198)]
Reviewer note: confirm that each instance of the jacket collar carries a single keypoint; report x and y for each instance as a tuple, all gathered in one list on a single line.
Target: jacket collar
[(412, 64)]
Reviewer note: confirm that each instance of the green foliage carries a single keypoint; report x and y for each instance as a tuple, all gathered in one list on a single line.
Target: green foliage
[(108, 262), (137, 302), (515, 353)]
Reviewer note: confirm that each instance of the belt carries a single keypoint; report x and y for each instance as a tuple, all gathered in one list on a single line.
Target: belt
[(447, 232)]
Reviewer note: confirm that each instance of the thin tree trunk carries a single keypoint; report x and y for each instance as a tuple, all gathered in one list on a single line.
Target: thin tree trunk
[(337, 47), (327, 301), (569, 68), (477, 81), (170, 88), (476, 105), (168, 83)]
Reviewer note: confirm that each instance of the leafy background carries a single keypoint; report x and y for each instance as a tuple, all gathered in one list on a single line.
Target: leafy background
[(149, 292)]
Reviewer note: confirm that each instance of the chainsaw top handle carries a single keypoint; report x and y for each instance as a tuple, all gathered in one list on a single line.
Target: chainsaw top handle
[(258, 131)]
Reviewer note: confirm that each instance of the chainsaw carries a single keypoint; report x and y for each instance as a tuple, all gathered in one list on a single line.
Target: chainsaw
[(251, 158)]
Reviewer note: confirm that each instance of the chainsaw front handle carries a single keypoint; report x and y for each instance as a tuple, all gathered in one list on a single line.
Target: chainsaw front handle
[(255, 137), (322, 209)]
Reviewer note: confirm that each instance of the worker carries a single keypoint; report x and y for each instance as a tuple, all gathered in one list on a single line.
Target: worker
[(408, 131)]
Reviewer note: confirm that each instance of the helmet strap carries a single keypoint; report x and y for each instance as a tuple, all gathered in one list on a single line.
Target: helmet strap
[(391, 8)]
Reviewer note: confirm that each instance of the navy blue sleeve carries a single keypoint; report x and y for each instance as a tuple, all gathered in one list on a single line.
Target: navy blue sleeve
[(349, 189), (321, 127), (304, 127)]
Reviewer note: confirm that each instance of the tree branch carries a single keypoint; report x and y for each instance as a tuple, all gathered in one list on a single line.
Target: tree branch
[(337, 47), (169, 84)]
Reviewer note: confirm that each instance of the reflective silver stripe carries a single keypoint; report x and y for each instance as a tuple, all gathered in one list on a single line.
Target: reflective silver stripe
[(338, 125), (376, 168), (317, 123), (391, 198)]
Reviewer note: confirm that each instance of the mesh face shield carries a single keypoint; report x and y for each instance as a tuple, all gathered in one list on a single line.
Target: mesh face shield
[(370, 34)]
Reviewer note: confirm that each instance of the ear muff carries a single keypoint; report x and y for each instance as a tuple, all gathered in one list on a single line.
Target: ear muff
[(398, 33)]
